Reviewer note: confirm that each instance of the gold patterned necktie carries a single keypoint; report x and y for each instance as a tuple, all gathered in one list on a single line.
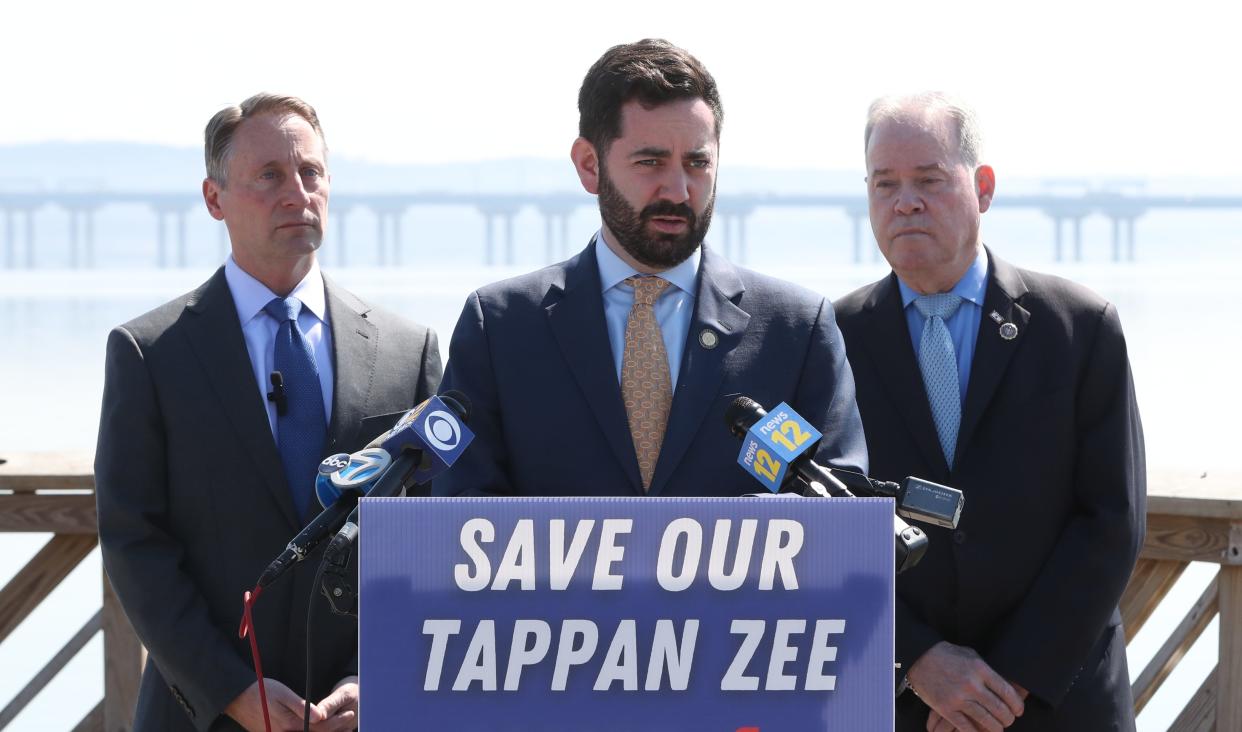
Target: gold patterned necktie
[(645, 382)]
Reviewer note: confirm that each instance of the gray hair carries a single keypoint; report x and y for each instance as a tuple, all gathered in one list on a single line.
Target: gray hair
[(918, 107), (218, 137)]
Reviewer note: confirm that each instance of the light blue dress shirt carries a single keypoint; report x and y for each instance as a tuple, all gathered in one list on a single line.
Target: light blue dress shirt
[(673, 309), (963, 325), (259, 329)]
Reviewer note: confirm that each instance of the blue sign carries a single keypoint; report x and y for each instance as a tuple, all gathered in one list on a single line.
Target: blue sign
[(772, 614), (773, 442)]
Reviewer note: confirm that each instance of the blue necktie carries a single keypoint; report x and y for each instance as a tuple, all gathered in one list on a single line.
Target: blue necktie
[(938, 362), (302, 429)]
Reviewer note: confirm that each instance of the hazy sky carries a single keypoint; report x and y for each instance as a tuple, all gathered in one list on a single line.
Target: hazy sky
[(1064, 88)]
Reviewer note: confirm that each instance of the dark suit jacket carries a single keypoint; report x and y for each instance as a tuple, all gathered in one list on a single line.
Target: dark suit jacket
[(532, 353), (193, 503), (1050, 457)]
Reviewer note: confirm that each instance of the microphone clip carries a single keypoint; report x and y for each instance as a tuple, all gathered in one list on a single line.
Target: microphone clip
[(277, 394)]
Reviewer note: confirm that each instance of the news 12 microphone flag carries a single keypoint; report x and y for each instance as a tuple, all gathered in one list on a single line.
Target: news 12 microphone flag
[(566, 614)]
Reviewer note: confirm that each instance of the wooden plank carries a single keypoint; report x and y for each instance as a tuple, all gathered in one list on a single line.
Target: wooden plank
[(1199, 714), (1186, 538), (1176, 646), (1149, 583), (1229, 663), (123, 660), (26, 472), (40, 576), (93, 721), (1209, 494), (48, 672), (56, 514)]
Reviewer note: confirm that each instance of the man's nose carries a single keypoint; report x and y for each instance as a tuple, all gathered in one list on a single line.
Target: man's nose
[(908, 201), (294, 192), (675, 185)]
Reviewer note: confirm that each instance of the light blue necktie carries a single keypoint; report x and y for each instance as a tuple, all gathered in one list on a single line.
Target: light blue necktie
[(302, 429), (938, 362)]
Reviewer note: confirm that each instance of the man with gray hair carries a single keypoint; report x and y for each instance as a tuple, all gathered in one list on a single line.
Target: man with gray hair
[(217, 408), (1014, 387)]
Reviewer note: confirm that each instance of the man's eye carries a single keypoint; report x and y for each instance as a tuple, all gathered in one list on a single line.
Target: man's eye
[(884, 184), (267, 175), (311, 172), (700, 163)]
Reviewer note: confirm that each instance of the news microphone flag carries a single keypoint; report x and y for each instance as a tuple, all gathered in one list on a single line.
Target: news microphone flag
[(774, 442)]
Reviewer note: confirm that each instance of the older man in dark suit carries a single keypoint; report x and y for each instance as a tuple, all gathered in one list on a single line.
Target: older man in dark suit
[(201, 480), (609, 374), (1015, 387)]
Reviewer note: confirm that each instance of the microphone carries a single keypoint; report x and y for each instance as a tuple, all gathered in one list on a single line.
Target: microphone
[(341, 479), (427, 440), (917, 499), (277, 394), (776, 450)]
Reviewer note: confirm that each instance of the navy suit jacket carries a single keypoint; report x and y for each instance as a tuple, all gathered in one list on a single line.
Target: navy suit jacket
[(1050, 457), (533, 356), (193, 502)]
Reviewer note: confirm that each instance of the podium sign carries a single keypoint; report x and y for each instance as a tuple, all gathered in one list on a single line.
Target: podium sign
[(769, 613)]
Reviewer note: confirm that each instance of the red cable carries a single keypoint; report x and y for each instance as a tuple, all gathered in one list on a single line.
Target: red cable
[(247, 629)]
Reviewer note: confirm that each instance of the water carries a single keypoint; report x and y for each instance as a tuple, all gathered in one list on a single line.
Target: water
[(1176, 304)]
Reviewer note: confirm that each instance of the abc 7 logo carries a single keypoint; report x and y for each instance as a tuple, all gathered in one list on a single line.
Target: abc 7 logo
[(442, 430)]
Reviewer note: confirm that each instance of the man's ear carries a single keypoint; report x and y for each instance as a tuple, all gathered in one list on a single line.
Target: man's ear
[(985, 186), (211, 194), (586, 162)]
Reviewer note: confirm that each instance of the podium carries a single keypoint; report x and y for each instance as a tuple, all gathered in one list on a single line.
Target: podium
[(772, 614)]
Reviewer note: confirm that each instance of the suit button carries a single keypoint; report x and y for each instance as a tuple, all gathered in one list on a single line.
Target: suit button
[(959, 537)]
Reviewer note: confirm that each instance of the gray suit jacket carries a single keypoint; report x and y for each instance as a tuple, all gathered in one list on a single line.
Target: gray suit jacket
[(193, 503)]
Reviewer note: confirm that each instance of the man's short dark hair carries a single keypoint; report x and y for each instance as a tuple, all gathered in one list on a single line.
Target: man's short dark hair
[(654, 72)]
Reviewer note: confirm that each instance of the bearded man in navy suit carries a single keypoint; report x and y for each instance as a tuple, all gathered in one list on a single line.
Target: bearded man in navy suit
[(1015, 387), (609, 374)]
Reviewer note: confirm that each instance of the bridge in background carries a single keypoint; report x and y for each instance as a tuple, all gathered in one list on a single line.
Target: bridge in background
[(170, 210)]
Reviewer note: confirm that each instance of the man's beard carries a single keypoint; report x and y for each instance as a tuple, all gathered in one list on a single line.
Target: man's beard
[(656, 250)]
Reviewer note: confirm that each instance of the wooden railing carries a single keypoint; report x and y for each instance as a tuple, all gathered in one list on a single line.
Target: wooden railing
[(1190, 518)]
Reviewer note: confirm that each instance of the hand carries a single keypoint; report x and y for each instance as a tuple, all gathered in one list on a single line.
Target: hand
[(284, 708), (963, 691), (340, 708)]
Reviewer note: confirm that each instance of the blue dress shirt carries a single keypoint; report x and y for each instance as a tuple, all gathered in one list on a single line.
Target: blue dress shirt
[(963, 325), (259, 329), (673, 309)]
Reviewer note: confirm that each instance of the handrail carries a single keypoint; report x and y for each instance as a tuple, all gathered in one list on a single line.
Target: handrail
[(1191, 516)]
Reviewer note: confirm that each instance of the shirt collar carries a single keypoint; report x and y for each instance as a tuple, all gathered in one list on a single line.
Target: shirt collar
[(613, 271), (971, 287), (250, 295)]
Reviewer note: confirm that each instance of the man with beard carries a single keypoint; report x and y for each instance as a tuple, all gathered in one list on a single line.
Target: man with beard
[(610, 373)]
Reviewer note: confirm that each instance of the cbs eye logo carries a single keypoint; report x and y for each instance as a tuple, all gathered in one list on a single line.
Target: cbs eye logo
[(442, 430)]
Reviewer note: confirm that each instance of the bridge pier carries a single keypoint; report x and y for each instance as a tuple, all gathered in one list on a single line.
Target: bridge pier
[(342, 258), (857, 216), (10, 246), (175, 217), (491, 214), (556, 247), (1123, 228)]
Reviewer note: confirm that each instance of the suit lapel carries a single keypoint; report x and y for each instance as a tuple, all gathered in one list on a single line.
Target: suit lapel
[(576, 317), (702, 368), (355, 344), (216, 339), (887, 340), (992, 352)]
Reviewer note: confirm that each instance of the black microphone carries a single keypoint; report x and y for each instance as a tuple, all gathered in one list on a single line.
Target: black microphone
[(344, 478), (277, 394), (808, 478), (425, 442), (414, 462), (917, 499)]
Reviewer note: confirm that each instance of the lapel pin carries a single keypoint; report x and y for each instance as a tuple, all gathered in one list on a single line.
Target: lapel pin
[(1008, 331), (996, 317), (708, 338)]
